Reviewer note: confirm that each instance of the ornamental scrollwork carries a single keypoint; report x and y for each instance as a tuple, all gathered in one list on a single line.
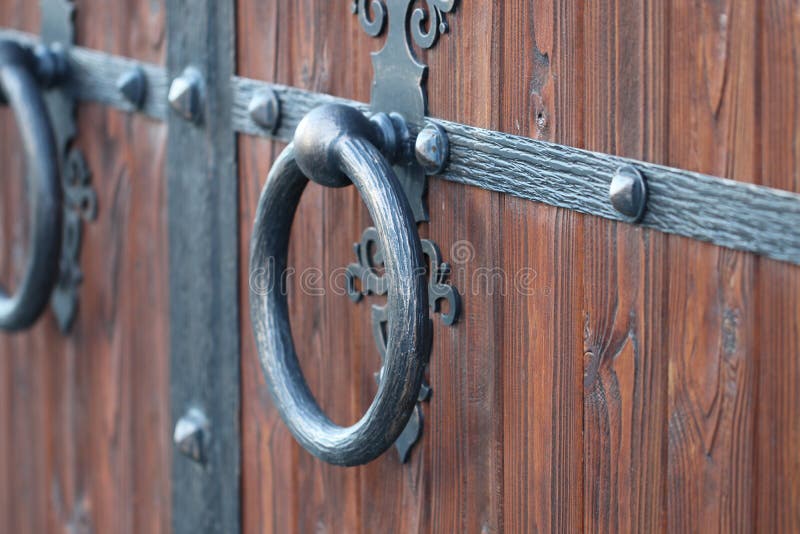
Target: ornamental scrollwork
[(366, 272), (426, 23)]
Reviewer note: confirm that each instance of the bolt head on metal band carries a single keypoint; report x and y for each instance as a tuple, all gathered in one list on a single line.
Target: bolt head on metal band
[(628, 193), (132, 85), (265, 109), (331, 147), (186, 95), (432, 149)]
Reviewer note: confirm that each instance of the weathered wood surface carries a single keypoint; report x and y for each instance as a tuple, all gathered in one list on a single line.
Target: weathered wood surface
[(84, 420), (635, 381), (638, 381)]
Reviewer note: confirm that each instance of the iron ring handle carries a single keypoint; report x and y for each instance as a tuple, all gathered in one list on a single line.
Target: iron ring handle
[(18, 86), (334, 145)]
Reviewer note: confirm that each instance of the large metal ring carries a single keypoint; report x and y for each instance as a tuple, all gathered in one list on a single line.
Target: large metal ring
[(334, 146), (19, 88)]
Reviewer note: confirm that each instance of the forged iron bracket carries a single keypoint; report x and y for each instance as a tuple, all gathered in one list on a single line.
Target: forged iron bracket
[(399, 87), (80, 199), (399, 83), (372, 282)]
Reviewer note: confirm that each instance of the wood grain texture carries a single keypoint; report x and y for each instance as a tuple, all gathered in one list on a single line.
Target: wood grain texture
[(541, 248), (635, 381), (284, 488), (624, 354), (711, 313), (85, 418), (640, 382), (733, 214), (777, 287)]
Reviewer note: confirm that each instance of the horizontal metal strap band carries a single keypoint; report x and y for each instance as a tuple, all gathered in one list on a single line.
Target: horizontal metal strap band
[(731, 214)]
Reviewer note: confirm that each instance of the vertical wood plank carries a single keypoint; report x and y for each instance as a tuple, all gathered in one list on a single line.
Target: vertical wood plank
[(269, 453), (285, 488), (465, 431), (777, 285), (712, 380), (85, 431), (540, 251), (625, 372), (20, 506)]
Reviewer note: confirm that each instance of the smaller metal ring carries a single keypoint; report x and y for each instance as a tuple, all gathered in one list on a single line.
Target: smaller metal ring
[(20, 89)]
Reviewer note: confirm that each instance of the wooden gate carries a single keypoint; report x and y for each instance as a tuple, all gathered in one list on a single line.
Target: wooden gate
[(602, 375)]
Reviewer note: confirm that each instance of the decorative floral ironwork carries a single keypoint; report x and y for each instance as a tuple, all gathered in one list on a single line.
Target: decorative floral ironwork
[(373, 23), (437, 24), (400, 77), (373, 282), (80, 205)]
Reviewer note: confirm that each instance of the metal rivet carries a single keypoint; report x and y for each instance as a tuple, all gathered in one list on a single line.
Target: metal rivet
[(432, 149), (192, 434), (628, 192), (186, 94), (132, 84), (264, 109)]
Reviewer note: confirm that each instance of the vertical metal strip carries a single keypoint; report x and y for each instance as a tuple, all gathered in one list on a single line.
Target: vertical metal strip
[(203, 263)]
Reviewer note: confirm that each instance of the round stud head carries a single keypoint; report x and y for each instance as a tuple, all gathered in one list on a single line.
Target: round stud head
[(628, 192), (317, 137), (432, 149), (264, 109)]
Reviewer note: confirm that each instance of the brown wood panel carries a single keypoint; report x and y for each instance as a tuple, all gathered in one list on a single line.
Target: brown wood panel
[(602, 376), (541, 249), (777, 285), (304, 494), (84, 417), (625, 370), (710, 311), (635, 381)]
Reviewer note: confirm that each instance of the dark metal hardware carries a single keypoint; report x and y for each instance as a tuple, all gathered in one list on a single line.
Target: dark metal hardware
[(186, 95), (370, 257), (399, 98), (192, 434), (265, 109), (432, 149), (628, 192), (335, 145), (20, 89), (202, 213), (80, 205), (399, 82), (80, 199), (133, 86), (736, 215)]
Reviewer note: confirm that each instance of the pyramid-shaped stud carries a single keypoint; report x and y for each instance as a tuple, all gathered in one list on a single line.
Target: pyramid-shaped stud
[(186, 95), (264, 109), (132, 84), (192, 432)]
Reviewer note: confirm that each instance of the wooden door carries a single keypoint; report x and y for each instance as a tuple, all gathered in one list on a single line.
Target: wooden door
[(84, 417), (602, 376), (641, 382)]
